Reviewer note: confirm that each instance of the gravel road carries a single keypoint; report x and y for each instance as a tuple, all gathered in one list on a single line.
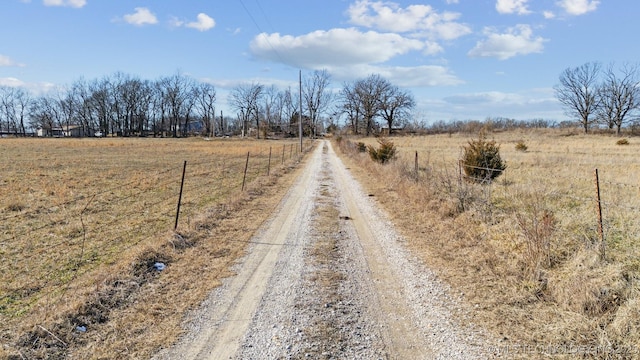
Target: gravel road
[(328, 277)]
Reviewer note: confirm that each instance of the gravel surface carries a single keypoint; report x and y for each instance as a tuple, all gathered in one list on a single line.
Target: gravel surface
[(326, 293)]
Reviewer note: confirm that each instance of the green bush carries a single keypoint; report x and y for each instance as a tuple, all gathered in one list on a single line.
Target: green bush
[(622, 142), (383, 154), (481, 160)]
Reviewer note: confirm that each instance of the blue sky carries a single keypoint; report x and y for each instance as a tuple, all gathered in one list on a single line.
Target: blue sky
[(461, 59)]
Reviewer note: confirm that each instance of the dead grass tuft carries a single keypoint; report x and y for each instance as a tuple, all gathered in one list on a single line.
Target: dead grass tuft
[(585, 285), (15, 207)]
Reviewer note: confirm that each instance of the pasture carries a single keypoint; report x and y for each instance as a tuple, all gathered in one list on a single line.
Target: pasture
[(84, 224), (525, 251)]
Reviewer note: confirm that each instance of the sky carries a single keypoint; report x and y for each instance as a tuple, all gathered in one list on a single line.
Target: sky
[(461, 59)]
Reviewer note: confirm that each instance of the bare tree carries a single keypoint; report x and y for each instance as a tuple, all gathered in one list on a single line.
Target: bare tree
[(68, 107), (205, 106), (619, 96), (395, 105), (350, 105), (245, 99), (87, 118), (578, 92), (135, 96), (44, 113), (279, 109), (100, 104), (269, 106), (316, 97), (364, 99), (290, 106), (177, 101), (14, 104)]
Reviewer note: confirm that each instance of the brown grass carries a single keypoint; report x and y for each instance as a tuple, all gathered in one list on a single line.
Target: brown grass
[(95, 215), (524, 250)]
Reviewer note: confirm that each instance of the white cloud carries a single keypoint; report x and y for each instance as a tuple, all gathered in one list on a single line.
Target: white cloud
[(517, 40), (35, 88), (422, 19), (336, 47), (452, 1), (404, 76), (11, 82), (142, 16), (350, 54), (69, 3), (512, 6), (523, 105), (548, 14), (204, 23), (432, 48), (175, 22), (489, 97), (7, 61), (578, 7)]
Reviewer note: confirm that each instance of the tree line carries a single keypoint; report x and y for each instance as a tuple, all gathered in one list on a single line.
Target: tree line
[(178, 105), (362, 102), (597, 96), (119, 104)]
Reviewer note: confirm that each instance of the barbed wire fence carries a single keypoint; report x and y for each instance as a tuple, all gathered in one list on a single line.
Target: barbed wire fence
[(611, 204), (47, 247)]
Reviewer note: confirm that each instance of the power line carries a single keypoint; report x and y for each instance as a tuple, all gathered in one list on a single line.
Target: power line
[(260, 29), (265, 16)]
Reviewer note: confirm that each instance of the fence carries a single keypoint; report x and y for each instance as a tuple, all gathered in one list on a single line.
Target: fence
[(606, 208), (590, 204), (45, 248)]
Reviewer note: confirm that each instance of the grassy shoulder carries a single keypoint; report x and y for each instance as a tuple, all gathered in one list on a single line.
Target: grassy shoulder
[(524, 251), (117, 304)]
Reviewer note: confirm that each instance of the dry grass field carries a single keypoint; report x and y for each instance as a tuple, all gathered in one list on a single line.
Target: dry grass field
[(525, 251), (83, 223)]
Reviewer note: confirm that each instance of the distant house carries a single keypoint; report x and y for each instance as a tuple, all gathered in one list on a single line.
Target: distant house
[(47, 131), (76, 131), (384, 129), (63, 131)]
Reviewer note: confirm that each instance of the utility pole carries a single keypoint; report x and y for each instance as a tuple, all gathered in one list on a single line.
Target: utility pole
[(300, 110)]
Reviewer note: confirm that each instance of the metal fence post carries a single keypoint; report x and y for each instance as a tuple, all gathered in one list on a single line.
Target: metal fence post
[(603, 245), (184, 169), (246, 166)]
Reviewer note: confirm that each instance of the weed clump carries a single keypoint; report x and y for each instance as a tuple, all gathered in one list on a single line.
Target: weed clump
[(15, 207), (383, 154), (622, 142), (481, 160), (521, 146), (362, 147)]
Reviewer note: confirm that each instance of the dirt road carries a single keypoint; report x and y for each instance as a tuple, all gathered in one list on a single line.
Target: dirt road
[(328, 277)]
